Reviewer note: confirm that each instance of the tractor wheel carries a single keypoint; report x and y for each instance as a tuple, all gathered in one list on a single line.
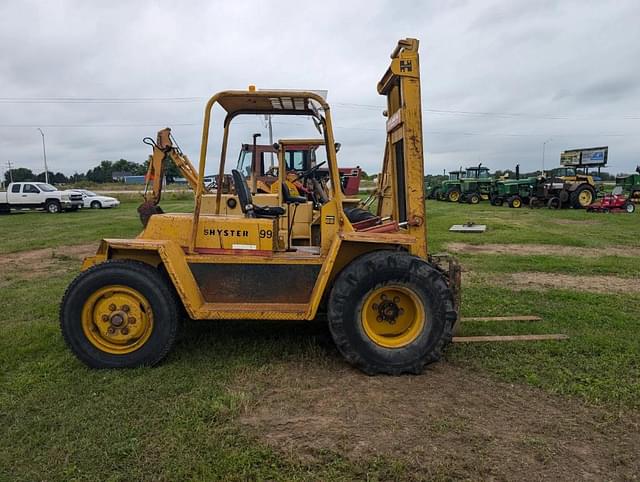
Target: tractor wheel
[(119, 314), (582, 197), (499, 201), (355, 215), (554, 203), (453, 196), (515, 202), (473, 198), (629, 207), (391, 313)]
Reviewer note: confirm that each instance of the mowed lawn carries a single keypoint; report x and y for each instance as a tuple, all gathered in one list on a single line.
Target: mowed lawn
[(62, 421)]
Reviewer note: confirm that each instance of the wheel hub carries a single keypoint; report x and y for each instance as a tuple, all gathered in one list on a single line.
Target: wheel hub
[(393, 316), (117, 319)]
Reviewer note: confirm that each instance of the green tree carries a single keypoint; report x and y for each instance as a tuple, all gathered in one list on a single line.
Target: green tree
[(19, 175)]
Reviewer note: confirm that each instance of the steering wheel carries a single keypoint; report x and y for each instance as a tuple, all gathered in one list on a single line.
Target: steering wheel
[(310, 171)]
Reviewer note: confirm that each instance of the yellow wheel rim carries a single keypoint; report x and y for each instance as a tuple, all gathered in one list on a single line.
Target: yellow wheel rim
[(454, 196), (393, 316), (585, 198), (516, 203), (117, 319)]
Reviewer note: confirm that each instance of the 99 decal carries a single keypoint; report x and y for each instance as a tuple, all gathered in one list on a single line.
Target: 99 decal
[(266, 233)]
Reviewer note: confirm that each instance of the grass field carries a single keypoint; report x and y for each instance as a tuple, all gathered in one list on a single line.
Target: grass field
[(274, 400)]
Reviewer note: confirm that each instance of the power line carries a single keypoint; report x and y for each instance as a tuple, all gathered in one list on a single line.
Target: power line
[(154, 100)]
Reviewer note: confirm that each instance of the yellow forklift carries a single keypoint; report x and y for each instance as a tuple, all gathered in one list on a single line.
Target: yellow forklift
[(390, 306)]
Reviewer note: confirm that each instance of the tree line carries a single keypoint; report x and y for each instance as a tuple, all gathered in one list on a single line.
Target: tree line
[(101, 173)]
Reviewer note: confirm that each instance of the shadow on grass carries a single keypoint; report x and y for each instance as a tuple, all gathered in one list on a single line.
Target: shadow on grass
[(255, 341)]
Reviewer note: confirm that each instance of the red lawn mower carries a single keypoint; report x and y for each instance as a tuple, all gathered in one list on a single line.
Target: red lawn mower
[(616, 202)]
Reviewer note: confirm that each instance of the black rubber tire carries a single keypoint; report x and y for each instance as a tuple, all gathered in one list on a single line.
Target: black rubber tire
[(451, 193), (554, 203), (370, 272), (629, 207), (512, 203), (96, 205), (355, 215), (53, 207), (140, 276), (574, 197), (473, 198), (5, 209), (499, 201)]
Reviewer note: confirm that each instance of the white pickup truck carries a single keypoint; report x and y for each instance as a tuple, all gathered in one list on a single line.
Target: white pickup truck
[(38, 195)]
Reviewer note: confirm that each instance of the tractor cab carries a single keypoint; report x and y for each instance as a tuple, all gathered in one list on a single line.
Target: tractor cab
[(477, 172)]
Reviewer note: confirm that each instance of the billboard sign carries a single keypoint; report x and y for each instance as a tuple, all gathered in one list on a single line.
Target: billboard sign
[(590, 157)]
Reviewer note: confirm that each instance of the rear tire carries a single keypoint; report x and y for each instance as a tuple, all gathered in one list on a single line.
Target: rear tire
[(582, 197), (80, 335), (421, 320)]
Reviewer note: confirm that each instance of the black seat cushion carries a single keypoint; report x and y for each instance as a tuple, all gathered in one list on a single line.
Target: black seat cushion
[(288, 198), (246, 201)]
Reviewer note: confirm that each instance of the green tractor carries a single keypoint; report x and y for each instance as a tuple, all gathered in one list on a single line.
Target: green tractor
[(476, 185), (630, 185), (514, 192), (450, 189)]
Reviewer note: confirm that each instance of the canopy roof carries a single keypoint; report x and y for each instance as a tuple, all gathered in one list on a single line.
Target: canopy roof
[(271, 102)]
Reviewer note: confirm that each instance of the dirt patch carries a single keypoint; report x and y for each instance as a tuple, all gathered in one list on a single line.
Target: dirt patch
[(449, 421), (542, 249), (31, 264), (591, 284)]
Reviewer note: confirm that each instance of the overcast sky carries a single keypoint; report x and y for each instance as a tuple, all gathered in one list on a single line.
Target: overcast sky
[(499, 77)]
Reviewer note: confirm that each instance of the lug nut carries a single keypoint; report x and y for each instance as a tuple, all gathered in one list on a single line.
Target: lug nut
[(375, 306), (396, 299), (379, 318), (132, 320), (112, 307), (105, 317), (111, 330), (125, 308), (124, 330)]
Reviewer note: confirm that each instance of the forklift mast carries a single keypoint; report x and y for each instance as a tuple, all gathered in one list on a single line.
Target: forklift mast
[(400, 187)]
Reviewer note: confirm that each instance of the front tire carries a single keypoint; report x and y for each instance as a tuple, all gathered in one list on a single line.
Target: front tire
[(391, 313), (96, 205), (119, 314), (53, 207), (629, 207), (515, 202)]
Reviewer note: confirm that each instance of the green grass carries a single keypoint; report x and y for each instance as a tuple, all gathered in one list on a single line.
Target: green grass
[(62, 421), (28, 230)]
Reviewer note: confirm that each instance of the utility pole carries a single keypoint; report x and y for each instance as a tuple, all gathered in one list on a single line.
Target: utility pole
[(44, 154), (267, 118), (9, 167), (544, 144)]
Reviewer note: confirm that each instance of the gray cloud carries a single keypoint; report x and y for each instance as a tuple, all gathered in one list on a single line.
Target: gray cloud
[(567, 70)]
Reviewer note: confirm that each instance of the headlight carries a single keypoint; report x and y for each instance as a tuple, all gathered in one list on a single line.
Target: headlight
[(65, 197)]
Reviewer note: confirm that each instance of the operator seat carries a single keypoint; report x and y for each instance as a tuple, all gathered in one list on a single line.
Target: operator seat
[(246, 202)]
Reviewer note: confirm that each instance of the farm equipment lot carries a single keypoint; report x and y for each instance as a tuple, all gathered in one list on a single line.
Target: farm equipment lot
[(274, 400)]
